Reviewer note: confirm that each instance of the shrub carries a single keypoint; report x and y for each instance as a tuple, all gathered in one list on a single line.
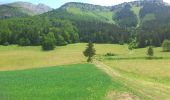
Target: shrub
[(109, 54), (6, 44), (121, 42), (166, 46)]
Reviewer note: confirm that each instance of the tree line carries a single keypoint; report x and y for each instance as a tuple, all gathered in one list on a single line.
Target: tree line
[(35, 30)]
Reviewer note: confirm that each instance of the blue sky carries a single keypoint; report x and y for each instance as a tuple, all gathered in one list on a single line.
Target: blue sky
[(58, 3)]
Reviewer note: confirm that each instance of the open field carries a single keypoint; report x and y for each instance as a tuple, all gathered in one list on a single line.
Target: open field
[(126, 76), (148, 79), (33, 57), (72, 82), (15, 57)]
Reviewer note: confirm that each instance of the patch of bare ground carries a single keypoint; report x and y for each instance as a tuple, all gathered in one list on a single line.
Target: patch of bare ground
[(120, 96)]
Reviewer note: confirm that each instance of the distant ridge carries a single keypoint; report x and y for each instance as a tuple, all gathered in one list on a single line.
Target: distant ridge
[(22, 9)]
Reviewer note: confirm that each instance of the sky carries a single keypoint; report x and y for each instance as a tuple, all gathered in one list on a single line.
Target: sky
[(58, 3)]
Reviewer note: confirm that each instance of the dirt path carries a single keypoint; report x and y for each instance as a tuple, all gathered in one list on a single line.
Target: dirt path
[(111, 95), (146, 88), (106, 69)]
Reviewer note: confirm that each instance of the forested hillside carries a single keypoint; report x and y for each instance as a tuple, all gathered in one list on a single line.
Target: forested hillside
[(155, 24), (30, 31), (94, 22), (144, 22)]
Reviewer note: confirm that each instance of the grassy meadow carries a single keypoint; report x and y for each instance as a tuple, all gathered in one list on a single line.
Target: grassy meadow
[(70, 82), (126, 76), (16, 57)]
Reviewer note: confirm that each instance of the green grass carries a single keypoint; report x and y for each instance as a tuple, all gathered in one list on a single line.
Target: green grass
[(34, 57), (138, 77), (71, 82), (148, 79), (145, 78), (149, 17), (104, 16), (15, 57)]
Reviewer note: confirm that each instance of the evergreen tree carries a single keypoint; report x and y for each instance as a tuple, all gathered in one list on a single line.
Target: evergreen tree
[(150, 51), (89, 52)]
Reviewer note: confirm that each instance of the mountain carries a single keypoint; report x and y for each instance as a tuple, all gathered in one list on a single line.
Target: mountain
[(83, 11), (143, 22), (147, 21), (128, 14), (94, 22), (22, 9)]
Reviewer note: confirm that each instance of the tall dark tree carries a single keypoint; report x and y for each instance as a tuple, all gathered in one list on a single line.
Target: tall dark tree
[(89, 52), (150, 51)]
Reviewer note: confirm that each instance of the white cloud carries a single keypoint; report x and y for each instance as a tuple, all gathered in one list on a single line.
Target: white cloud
[(168, 1)]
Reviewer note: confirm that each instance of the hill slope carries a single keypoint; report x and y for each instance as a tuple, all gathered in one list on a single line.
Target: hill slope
[(22, 9), (84, 11), (129, 14), (147, 21)]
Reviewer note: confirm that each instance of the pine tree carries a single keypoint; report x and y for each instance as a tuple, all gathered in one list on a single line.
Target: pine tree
[(89, 52), (150, 51)]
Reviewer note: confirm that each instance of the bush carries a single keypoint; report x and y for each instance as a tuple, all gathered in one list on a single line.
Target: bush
[(166, 46), (121, 42), (49, 42), (24, 42), (6, 44), (109, 54)]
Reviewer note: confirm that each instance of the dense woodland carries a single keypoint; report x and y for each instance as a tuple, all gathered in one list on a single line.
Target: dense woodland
[(125, 17), (68, 28), (30, 31), (154, 32)]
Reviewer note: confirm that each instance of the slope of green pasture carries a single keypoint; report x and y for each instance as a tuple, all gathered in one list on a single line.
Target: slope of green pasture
[(103, 16)]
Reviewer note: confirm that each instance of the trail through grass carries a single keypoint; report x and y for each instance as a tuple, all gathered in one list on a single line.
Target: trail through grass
[(138, 88)]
